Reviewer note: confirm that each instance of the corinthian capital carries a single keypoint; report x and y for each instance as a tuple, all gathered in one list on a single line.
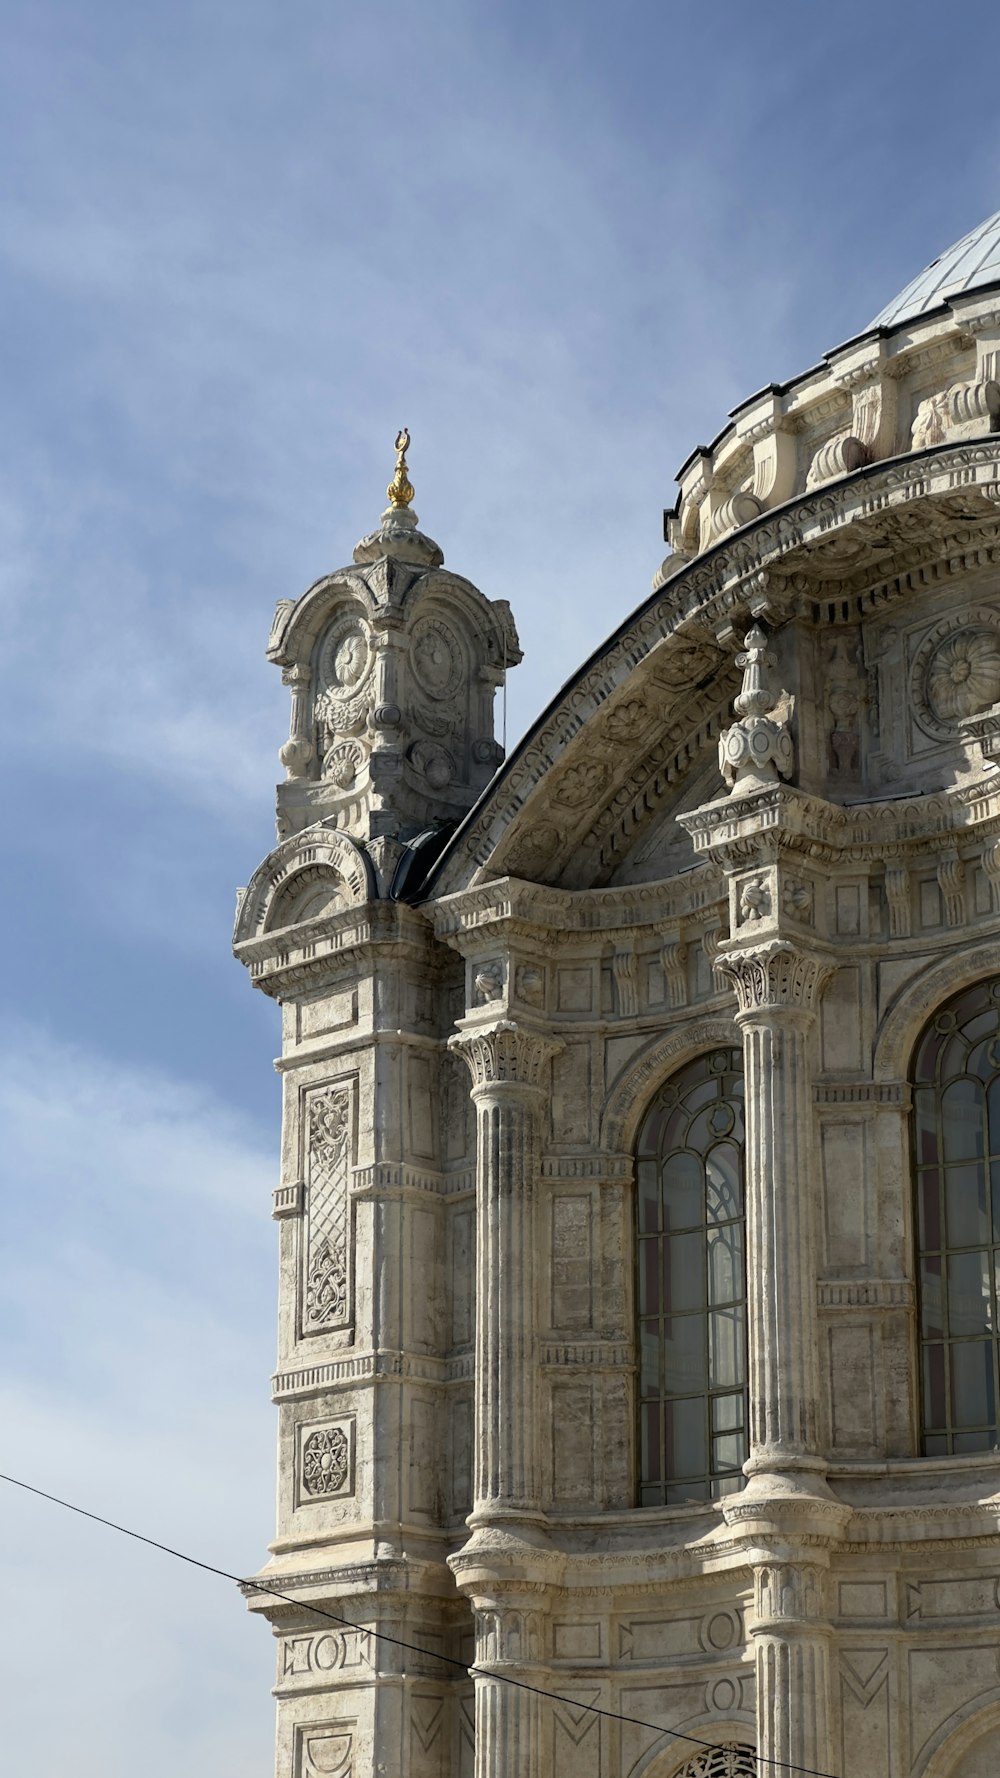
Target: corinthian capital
[(505, 1054), (775, 975)]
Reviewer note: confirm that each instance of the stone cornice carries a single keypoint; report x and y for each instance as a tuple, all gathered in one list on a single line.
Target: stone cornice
[(832, 832), (508, 907), (338, 947)]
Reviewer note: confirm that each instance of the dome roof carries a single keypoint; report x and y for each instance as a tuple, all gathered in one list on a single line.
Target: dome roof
[(971, 263)]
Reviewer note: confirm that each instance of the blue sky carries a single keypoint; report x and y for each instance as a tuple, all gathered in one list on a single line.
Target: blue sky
[(241, 244)]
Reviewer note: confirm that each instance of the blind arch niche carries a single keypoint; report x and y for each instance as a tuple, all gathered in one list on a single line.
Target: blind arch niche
[(690, 1242)]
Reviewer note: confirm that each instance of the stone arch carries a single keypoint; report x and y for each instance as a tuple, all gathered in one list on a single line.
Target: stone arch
[(973, 1729), (306, 859), (913, 1005), (640, 1077), (671, 1755), (308, 617)]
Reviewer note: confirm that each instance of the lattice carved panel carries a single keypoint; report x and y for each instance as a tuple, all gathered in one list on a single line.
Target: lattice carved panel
[(326, 1300)]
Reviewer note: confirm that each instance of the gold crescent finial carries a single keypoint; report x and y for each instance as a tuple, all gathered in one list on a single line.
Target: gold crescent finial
[(400, 489)]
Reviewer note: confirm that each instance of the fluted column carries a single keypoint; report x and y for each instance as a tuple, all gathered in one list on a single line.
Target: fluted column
[(791, 1642), (507, 1063), (509, 1636), (787, 1506), (777, 987)]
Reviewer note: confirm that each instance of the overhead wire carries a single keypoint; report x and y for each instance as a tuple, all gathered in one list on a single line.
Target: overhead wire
[(473, 1672)]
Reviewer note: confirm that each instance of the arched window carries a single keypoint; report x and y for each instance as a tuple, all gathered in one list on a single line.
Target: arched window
[(691, 1285), (956, 1124)]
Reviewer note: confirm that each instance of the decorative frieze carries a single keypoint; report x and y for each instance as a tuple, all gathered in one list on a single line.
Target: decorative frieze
[(864, 1293)]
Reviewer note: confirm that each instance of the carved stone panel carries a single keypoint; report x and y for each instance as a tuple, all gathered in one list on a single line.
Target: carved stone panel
[(326, 1303)]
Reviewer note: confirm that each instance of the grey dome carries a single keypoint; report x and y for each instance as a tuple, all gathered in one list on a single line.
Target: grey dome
[(970, 264)]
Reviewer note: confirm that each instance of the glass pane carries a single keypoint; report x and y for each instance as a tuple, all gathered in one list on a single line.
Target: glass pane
[(727, 1345), (993, 1106), (648, 1188), (686, 1451), (685, 1492), (649, 1423), (972, 1383), (727, 1412), (649, 1359), (962, 1120), (925, 1128), (726, 1271), (683, 1191), (728, 1451), (685, 1361), (966, 1213), (685, 1273), (981, 1024), (726, 1485), (935, 1405), (929, 1209), (936, 1444), (965, 1442), (701, 1133), (703, 1094), (969, 1304), (649, 1276), (649, 1135), (932, 1299), (927, 1057), (723, 1195)]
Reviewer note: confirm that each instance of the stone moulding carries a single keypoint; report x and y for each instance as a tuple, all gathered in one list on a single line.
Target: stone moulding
[(631, 1092), (320, 846), (912, 1006), (865, 1293), (707, 594)]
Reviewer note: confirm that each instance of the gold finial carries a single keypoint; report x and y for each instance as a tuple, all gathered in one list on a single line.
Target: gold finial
[(400, 489)]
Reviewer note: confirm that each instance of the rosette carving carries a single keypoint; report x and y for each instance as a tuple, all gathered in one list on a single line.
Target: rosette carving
[(325, 1460), (963, 675), (956, 673), (436, 658)]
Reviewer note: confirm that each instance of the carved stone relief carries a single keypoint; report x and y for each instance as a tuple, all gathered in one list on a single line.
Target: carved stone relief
[(327, 1292), (956, 672), (326, 1752), (326, 1466)]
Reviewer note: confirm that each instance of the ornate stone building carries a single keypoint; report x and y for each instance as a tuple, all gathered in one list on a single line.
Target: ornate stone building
[(640, 1195)]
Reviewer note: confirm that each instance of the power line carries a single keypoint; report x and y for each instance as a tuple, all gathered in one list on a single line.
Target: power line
[(396, 1641)]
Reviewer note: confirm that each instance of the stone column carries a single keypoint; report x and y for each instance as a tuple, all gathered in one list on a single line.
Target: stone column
[(792, 1646), (777, 986), (507, 1062), (786, 1509)]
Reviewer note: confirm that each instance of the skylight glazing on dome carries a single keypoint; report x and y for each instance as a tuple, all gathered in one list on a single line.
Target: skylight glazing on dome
[(971, 263)]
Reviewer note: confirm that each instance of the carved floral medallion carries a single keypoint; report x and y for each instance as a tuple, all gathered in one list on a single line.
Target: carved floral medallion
[(956, 674), (325, 1460), (436, 658)]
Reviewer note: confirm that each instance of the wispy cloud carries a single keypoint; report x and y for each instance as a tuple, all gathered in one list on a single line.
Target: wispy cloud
[(135, 1301)]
